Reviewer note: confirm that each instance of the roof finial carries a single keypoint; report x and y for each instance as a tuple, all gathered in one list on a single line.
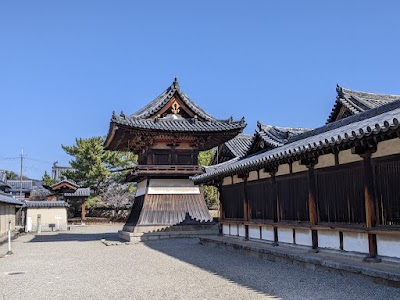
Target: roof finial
[(339, 90), (175, 83)]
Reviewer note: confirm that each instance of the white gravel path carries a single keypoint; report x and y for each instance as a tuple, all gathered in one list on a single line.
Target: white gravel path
[(76, 264)]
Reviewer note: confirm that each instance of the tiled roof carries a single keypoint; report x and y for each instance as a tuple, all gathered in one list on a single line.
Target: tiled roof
[(276, 136), (357, 101), (5, 198), (70, 182), (35, 204), (236, 147), (179, 125), (129, 132), (158, 103), (81, 192), (383, 119), (15, 185)]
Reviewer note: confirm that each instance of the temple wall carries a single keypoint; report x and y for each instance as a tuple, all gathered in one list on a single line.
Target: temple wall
[(346, 157), (297, 167), (264, 174), (253, 176), (388, 245), (324, 161), (267, 233), (386, 148), (227, 180), (328, 239), (254, 232), (283, 170), (353, 240)]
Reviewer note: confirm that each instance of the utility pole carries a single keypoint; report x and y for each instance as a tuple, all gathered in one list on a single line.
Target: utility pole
[(20, 177)]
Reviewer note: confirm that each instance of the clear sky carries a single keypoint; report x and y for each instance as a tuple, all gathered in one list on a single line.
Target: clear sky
[(66, 65)]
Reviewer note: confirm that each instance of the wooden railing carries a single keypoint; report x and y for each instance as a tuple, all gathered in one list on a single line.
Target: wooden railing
[(186, 169)]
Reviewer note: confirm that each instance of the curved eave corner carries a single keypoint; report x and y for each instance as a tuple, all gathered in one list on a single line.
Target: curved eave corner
[(110, 136)]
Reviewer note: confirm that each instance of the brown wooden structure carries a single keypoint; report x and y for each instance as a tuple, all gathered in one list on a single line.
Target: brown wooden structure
[(334, 187), (168, 134)]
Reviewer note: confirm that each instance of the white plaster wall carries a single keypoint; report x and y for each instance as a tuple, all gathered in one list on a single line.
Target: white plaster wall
[(254, 232), (264, 174), (253, 176), (227, 181), (388, 147), (285, 235), (234, 229), (324, 161), (172, 186), (225, 229), (388, 245), (346, 157), (141, 188), (7, 212), (236, 179), (357, 242), (242, 231), (283, 170), (297, 167), (267, 233), (328, 239), (303, 237)]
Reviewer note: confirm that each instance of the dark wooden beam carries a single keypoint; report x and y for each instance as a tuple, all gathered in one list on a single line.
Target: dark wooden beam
[(312, 199), (246, 208), (275, 206), (369, 195)]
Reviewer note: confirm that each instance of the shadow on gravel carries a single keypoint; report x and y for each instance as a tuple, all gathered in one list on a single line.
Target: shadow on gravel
[(234, 267), (74, 237)]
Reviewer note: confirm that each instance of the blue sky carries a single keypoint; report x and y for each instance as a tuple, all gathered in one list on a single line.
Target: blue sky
[(66, 65)]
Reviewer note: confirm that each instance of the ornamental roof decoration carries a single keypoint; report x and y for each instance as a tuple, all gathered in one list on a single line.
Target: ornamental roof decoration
[(350, 102)]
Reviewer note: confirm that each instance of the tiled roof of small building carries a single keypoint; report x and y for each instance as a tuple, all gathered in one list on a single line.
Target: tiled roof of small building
[(6, 198), (240, 144), (81, 192), (276, 136), (15, 185), (383, 119), (236, 147), (65, 181), (35, 204), (357, 101)]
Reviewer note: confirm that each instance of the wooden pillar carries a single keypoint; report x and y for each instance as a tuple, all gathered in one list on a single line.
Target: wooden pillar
[(312, 199), (275, 205), (83, 212), (221, 208), (369, 196), (246, 207)]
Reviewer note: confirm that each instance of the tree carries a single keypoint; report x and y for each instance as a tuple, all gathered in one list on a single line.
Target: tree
[(93, 165), (210, 192), (48, 180), (117, 196)]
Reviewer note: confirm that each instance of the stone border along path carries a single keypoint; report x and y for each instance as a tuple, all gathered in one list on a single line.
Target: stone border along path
[(76, 264)]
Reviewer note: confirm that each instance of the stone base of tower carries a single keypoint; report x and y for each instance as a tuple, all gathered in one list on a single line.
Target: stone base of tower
[(168, 208)]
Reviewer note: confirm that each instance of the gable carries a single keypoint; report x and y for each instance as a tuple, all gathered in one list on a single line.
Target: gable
[(175, 106)]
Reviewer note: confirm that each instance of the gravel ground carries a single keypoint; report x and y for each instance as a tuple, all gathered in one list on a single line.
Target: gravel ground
[(76, 264)]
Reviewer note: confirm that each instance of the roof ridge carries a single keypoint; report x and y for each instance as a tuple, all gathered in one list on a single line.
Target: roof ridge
[(343, 89)]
